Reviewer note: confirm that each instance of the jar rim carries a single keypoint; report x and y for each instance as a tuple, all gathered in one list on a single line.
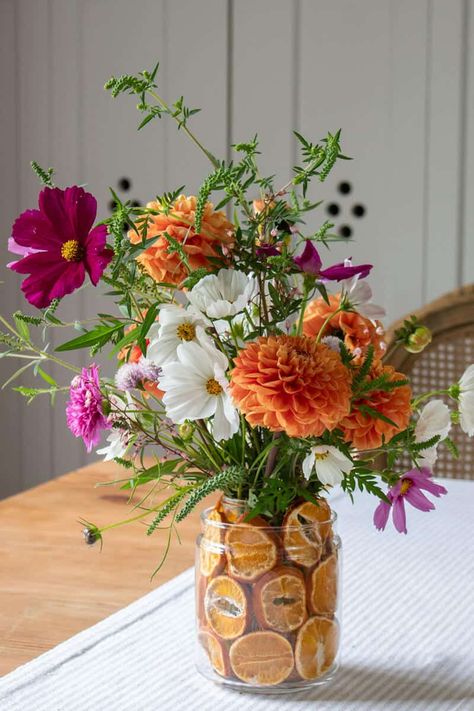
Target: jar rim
[(224, 525)]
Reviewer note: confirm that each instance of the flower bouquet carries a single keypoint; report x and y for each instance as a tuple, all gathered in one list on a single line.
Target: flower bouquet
[(246, 366)]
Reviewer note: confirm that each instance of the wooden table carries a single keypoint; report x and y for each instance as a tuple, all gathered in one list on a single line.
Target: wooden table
[(53, 585)]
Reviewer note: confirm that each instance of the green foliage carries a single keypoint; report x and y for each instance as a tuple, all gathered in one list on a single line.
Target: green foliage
[(168, 507), (227, 479), (44, 175)]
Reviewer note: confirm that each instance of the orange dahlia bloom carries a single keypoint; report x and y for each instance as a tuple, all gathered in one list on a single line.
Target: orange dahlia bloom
[(367, 432), (291, 384), (165, 266), (357, 331)]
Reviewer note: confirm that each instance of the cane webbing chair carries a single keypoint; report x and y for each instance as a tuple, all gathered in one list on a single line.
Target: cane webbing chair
[(451, 321)]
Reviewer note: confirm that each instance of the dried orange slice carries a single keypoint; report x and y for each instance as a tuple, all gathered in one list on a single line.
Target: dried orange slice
[(211, 548), (215, 651), (200, 591), (305, 529), (262, 658), (231, 509), (322, 587), (279, 599), (316, 647), (251, 550), (226, 607)]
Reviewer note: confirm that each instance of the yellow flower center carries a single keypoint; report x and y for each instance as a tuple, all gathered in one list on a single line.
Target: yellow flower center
[(71, 251), (406, 484), (186, 331), (321, 455), (213, 387)]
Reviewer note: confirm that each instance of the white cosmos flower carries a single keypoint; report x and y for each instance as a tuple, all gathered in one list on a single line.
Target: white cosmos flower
[(329, 462), (466, 401), (359, 295), (176, 325), (119, 441), (196, 387), (224, 294), (434, 420)]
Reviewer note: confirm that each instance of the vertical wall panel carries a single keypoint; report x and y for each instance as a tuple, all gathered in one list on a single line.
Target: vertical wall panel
[(363, 70), (34, 83), (10, 429), (65, 156), (467, 254), (194, 66), (444, 148), (263, 80)]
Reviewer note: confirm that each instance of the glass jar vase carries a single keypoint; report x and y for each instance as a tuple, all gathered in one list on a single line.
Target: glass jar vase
[(268, 598)]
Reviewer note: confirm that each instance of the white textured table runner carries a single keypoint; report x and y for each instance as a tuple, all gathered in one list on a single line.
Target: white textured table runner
[(408, 632)]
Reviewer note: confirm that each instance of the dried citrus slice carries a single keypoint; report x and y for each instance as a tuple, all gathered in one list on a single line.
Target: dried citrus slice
[(226, 607), (200, 591), (215, 651), (305, 529), (322, 587), (211, 548), (251, 550), (279, 599), (231, 509), (316, 647), (262, 658)]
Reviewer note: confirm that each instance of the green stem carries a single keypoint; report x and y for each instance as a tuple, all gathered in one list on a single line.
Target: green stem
[(189, 133), (326, 321)]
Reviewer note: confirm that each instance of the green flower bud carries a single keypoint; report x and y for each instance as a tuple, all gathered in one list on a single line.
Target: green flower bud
[(418, 340), (186, 431)]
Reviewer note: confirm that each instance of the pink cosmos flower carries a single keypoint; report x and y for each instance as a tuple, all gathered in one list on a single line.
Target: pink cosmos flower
[(85, 417), (408, 487), (59, 245), (310, 262)]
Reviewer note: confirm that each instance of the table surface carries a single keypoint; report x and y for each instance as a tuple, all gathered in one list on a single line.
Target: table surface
[(53, 585), (408, 615)]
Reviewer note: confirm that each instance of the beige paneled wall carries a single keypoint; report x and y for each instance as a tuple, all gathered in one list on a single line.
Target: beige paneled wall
[(396, 75)]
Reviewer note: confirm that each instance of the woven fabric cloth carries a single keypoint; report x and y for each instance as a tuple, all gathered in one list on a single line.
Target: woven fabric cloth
[(407, 632)]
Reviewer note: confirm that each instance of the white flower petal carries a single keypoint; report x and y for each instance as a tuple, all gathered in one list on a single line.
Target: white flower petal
[(308, 464), (466, 410), (226, 422), (328, 472), (434, 420), (466, 381)]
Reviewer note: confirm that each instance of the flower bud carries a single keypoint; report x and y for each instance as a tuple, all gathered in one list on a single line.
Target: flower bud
[(91, 535), (418, 340), (186, 431)]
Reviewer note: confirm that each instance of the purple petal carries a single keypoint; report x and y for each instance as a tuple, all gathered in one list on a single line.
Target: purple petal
[(417, 499), (399, 517), (81, 208), (381, 515), (309, 261), (338, 271), (97, 256), (51, 278), (16, 248), (32, 229), (267, 250), (52, 205), (423, 480)]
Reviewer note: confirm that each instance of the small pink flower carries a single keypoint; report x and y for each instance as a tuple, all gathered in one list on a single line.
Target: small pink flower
[(408, 487), (85, 416)]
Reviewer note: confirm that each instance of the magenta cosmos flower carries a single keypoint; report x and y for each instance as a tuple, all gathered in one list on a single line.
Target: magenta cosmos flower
[(85, 416), (408, 487), (310, 262), (59, 245)]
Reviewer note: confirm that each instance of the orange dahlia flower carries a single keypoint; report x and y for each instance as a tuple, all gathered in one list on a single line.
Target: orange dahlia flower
[(368, 432), (358, 332), (166, 266), (291, 384)]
